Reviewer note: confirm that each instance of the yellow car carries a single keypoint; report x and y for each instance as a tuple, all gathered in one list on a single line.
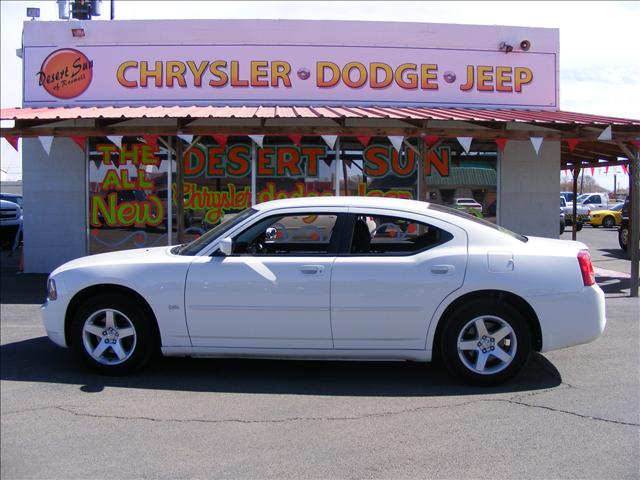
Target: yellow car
[(606, 218)]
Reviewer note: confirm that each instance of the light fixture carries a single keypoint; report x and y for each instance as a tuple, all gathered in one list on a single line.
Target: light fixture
[(525, 45), (77, 32), (506, 47)]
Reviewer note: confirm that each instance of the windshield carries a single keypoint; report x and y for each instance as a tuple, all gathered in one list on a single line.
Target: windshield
[(473, 218), (583, 196), (198, 244)]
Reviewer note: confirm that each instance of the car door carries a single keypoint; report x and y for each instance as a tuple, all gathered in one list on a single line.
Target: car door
[(397, 270), (273, 291)]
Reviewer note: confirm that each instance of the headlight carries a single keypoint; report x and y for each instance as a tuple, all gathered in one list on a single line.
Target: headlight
[(52, 293)]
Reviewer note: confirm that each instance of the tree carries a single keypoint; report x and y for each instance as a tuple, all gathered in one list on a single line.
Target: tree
[(589, 185)]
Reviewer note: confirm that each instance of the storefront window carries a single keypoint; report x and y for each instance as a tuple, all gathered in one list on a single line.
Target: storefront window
[(217, 183), (285, 170), (127, 195), (378, 170), (464, 181)]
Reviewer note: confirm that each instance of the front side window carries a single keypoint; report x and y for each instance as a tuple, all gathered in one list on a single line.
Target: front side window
[(299, 234), (386, 235)]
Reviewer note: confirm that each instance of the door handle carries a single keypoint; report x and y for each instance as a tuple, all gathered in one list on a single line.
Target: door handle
[(311, 269), (442, 269)]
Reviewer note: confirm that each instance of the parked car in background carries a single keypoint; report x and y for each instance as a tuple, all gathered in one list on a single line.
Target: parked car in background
[(10, 225), (568, 196), (607, 218), (593, 201), (12, 197), (567, 215), (623, 231), (467, 204), (306, 278)]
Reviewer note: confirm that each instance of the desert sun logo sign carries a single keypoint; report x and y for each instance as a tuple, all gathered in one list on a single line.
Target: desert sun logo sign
[(66, 73)]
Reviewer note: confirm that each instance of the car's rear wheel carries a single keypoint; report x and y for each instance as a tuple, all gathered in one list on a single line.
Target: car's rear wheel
[(485, 342), (112, 334), (608, 221)]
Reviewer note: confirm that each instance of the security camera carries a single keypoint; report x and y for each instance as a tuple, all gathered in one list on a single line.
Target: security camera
[(506, 47), (525, 45)]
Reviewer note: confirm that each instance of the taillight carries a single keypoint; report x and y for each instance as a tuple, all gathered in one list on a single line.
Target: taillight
[(586, 267)]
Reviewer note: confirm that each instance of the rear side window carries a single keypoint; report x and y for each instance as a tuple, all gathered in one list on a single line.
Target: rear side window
[(387, 235)]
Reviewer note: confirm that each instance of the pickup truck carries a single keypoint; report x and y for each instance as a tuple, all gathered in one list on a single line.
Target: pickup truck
[(10, 225), (586, 203)]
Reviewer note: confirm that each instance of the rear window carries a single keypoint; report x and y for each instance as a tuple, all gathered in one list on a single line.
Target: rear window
[(459, 213)]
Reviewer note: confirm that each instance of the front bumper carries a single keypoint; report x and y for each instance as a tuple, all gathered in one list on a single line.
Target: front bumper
[(52, 314)]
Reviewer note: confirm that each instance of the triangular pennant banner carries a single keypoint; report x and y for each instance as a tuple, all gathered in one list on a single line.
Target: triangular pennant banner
[(536, 142), (593, 172), (606, 134), (571, 143), (624, 169), (296, 139), (465, 142), (79, 140), (364, 140), (259, 139), (116, 140), (46, 143), (221, 139), (330, 140), (606, 170), (187, 138), (431, 140), (396, 141), (12, 140), (501, 142)]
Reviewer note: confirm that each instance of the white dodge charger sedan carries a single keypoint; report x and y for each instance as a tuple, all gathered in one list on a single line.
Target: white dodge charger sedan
[(333, 278)]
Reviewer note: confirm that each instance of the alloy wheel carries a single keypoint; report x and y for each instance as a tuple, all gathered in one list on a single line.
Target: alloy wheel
[(487, 345)]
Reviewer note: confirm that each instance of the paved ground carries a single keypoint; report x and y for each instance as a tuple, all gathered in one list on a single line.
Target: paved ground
[(571, 414)]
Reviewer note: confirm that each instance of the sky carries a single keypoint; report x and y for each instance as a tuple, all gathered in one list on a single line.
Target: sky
[(599, 63)]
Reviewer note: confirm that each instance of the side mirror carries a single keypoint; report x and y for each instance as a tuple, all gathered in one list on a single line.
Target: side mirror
[(226, 246)]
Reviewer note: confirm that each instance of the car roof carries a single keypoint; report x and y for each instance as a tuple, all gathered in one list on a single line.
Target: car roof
[(368, 202)]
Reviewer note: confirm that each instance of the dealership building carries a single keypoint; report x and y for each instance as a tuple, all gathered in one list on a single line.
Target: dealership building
[(147, 133)]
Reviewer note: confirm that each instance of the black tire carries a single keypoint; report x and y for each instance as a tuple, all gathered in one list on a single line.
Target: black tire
[(139, 347), (623, 237), (578, 226), (608, 222), (561, 228), (492, 313)]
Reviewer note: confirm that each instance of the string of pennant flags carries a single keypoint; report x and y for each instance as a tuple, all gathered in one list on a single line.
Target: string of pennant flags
[(330, 140)]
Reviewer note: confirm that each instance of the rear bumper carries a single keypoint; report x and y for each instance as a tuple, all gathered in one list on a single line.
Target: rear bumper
[(570, 319)]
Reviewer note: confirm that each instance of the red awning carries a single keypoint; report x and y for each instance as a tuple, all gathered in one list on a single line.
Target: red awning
[(311, 112)]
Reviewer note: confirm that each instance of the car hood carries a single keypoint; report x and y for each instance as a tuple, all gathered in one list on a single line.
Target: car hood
[(135, 256)]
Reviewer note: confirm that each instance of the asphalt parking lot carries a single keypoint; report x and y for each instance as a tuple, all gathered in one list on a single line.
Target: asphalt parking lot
[(573, 413)]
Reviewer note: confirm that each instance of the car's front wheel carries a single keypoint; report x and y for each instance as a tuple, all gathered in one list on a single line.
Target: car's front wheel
[(113, 334), (485, 342)]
